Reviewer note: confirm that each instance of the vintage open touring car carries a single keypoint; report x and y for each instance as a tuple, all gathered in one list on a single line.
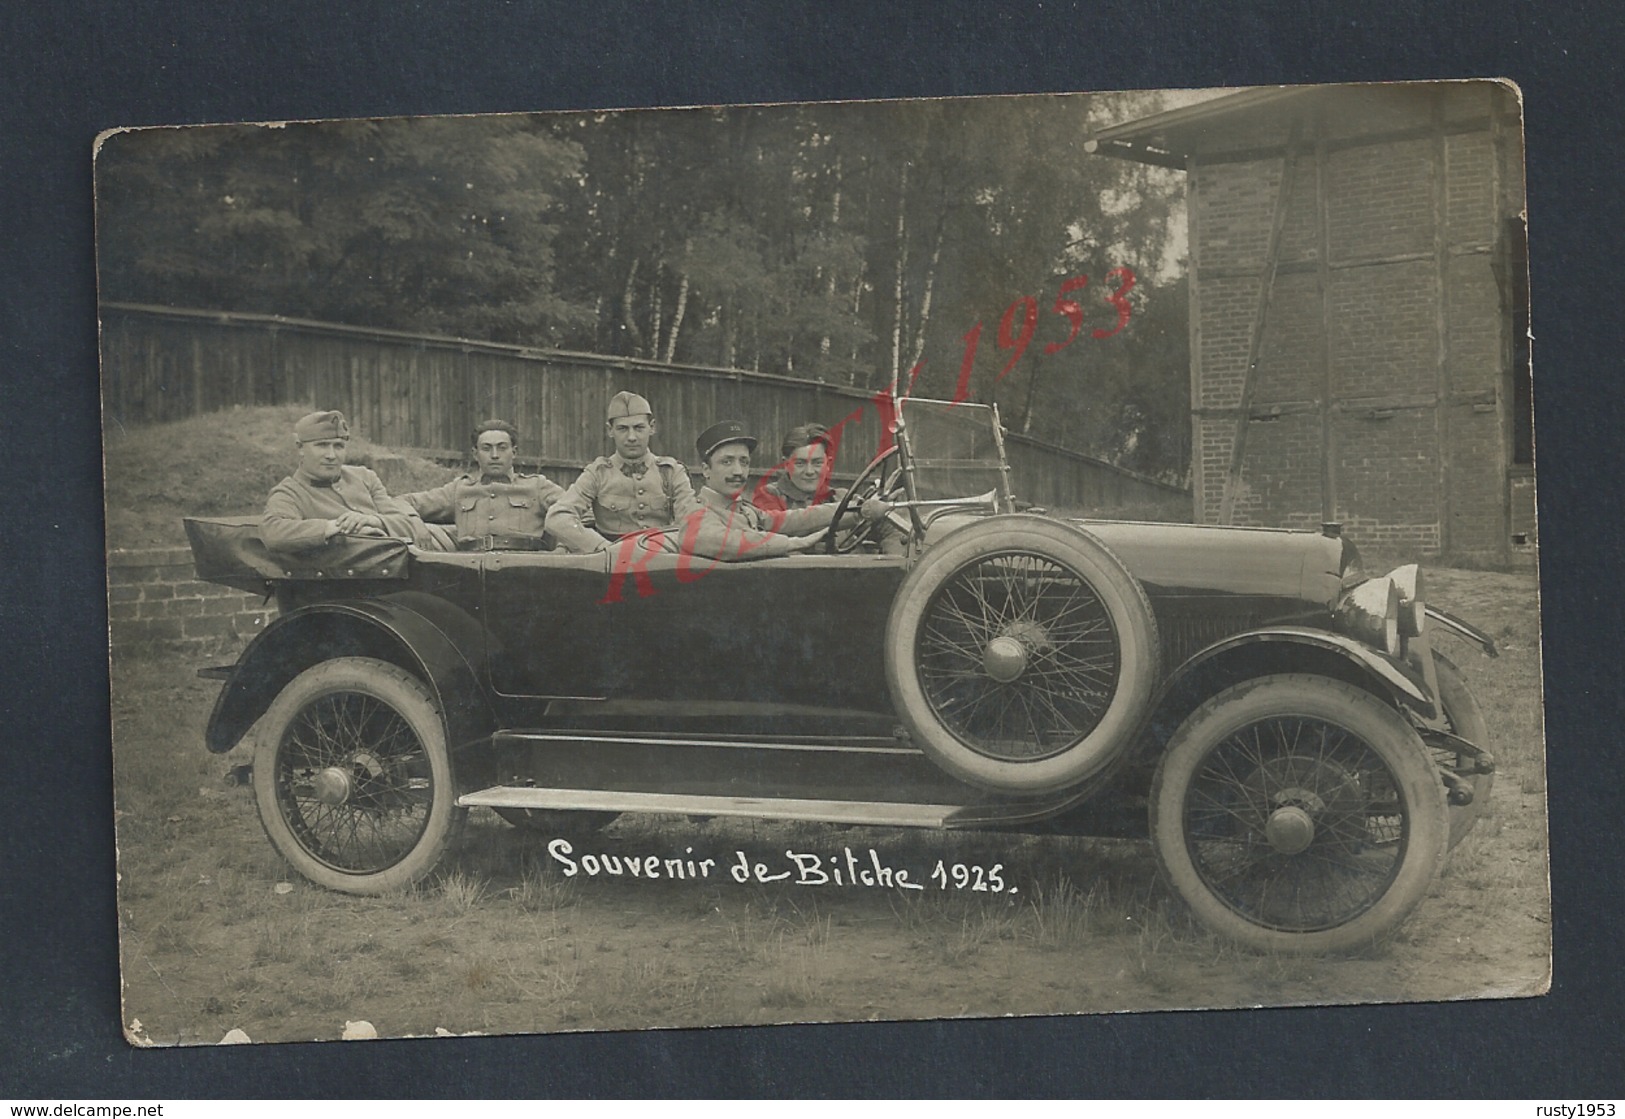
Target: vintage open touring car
[(1281, 727)]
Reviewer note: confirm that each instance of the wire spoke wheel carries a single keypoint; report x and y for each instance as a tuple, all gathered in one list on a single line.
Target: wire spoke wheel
[(350, 748), (1018, 656), (352, 777), (1298, 813), (1294, 824), (1021, 654)]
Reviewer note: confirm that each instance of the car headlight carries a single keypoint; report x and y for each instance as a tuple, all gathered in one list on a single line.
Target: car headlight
[(1371, 613), (1413, 610)]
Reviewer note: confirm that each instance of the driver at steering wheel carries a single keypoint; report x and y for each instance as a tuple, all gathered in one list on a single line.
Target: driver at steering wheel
[(801, 479), (728, 527)]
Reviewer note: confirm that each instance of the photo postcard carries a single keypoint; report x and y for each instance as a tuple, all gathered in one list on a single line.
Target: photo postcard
[(684, 567)]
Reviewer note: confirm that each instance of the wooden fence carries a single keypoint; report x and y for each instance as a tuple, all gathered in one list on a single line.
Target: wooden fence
[(426, 391)]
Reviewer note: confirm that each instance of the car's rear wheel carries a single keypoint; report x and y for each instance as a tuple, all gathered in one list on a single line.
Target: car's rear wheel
[(1021, 654), (1467, 721), (352, 777), (1298, 814)]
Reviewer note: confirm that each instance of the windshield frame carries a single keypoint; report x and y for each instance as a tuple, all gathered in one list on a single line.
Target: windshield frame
[(1000, 499)]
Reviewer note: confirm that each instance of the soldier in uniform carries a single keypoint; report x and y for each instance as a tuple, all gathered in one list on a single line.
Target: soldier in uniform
[(728, 526), (628, 491), (802, 479), (494, 507), (325, 498)]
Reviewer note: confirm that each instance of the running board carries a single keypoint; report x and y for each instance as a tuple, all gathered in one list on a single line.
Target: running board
[(769, 808), (750, 768)]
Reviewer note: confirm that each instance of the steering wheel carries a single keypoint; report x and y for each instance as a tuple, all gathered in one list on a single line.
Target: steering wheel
[(882, 478)]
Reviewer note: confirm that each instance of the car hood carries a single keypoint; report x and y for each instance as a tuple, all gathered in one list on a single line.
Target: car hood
[(1214, 559)]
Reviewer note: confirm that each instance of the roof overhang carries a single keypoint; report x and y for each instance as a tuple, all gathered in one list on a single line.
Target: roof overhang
[(1169, 139), (1268, 119)]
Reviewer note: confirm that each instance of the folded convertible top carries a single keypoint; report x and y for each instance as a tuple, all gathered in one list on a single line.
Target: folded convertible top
[(229, 551)]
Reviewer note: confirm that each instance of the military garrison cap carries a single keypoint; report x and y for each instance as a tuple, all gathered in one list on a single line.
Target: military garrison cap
[(728, 431), (321, 425), (624, 404)]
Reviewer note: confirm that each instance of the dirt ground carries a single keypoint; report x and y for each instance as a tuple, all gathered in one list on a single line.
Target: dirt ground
[(218, 934)]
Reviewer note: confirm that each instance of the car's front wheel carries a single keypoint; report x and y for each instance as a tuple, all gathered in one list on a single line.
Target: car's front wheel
[(1298, 814), (352, 777)]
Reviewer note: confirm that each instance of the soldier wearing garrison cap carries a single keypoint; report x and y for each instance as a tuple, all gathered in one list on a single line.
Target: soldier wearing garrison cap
[(628, 491), (494, 507), (728, 527), (325, 498)]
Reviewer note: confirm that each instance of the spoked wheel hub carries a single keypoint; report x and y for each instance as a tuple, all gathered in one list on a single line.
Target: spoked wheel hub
[(336, 785), (332, 786), (1290, 829), (1008, 654), (1296, 797)]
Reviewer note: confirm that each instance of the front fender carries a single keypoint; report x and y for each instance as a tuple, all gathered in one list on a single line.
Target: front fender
[(1296, 649), (434, 640)]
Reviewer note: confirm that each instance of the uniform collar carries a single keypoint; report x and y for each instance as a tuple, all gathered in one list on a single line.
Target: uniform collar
[(317, 483), (792, 492), (717, 499), (633, 469)]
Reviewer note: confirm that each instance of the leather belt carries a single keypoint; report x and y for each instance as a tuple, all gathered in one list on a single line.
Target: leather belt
[(503, 542)]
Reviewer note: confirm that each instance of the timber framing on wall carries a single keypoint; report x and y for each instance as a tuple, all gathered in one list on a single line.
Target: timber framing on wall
[(1353, 317)]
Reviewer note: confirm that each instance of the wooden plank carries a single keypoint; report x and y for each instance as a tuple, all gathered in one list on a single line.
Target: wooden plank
[(1328, 430), (1255, 338), (413, 391), (1441, 313), (1194, 328)]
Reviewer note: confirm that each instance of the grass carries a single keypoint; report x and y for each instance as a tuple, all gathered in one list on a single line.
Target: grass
[(220, 464), (500, 940)]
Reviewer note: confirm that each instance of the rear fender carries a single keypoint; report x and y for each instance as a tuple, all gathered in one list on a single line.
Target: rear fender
[(1285, 649), (427, 636)]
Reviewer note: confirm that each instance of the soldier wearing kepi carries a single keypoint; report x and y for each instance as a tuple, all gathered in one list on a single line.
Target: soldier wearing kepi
[(325, 498), (628, 491), (729, 527), (494, 507)]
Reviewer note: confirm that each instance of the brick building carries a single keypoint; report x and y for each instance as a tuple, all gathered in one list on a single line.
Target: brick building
[(1358, 310)]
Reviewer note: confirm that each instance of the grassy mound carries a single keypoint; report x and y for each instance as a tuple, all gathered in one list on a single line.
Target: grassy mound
[(216, 465)]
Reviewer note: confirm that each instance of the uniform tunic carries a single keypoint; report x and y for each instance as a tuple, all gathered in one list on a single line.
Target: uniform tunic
[(298, 510), (781, 496), (733, 529), (482, 505), (614, 497)]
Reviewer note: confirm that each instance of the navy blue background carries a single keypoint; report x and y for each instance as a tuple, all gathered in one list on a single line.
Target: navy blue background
[(70, 69)]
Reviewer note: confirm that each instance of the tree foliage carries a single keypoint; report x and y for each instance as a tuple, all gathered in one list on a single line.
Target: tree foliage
[(851, 243)]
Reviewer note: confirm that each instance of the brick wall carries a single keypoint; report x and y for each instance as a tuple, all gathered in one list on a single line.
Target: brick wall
[(1410, 418), (155, 601)]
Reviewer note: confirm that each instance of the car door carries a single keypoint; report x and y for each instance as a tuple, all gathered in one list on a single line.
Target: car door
[(794, 630)]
